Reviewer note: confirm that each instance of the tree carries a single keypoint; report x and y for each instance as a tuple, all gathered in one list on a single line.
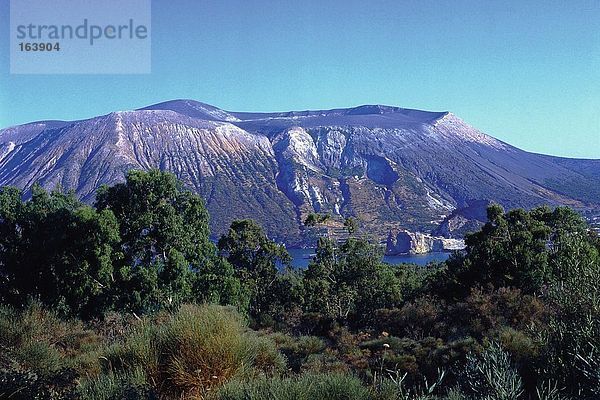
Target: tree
[(572, 350), (552, 255), (256, 260), (509, 250), (319, 278), (56, 250), (351, 225), (217, 283), (314, 219), (350, 281), (165, 242)]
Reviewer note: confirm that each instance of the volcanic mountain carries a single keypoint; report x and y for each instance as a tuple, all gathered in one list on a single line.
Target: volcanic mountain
[(391, 168)]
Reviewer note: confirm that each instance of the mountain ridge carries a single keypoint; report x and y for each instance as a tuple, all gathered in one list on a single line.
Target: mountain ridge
[(390, 167)]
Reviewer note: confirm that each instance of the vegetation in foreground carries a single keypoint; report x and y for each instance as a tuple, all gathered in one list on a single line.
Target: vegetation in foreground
[(129, 299)]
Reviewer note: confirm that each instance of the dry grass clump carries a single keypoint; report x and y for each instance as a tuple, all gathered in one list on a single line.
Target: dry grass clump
[(38, 340), (301, 387), (201, 347), (193, 351)]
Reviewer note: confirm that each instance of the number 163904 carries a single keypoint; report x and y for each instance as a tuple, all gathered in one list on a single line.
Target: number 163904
[(39, 46)]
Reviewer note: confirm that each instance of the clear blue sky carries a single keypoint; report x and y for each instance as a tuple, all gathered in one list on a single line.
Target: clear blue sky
[(526, 72)]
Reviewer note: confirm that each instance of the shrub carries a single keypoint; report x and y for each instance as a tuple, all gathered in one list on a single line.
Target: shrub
[(303, 387), (324, 363), (37, 340), (265, 357), (139, 349), (193, 351), (21, 384), (123, 386), (34, 324), (38, 356), (483, 312), (201, 347), (305, 353), (491, 375), (393, 387), (549, 391), (417, 319), (310, 345)]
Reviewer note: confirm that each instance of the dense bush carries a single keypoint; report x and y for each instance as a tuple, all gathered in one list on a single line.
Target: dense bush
[(257, 261), (129, 385), (167, 256), (120, 301), (304, 387), (144, 247), (349, 282), (42, 356), (192, 351), (56, 250)]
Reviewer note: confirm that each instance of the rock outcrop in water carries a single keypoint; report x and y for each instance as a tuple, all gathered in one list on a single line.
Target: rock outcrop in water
[(405, 242)]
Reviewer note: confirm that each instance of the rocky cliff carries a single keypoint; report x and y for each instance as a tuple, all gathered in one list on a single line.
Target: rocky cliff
[(405, 242)]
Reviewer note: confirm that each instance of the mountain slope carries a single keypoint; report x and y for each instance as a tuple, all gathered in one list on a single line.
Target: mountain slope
[(390, 167)]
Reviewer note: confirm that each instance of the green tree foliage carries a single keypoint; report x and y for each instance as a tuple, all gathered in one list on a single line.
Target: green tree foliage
[(167, 254), (550, 254), (156, 216), (510, 250), (314, 219), (351, 225), (216, 282), (257, 260), (572, 342), (523, 249), (514, 316), (349, 280), (145, 246), (56, 250)]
